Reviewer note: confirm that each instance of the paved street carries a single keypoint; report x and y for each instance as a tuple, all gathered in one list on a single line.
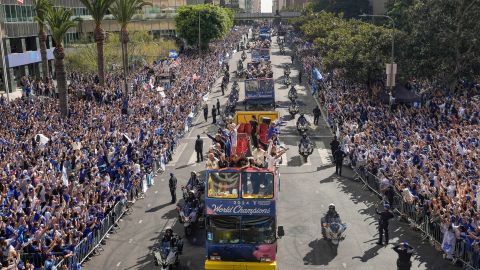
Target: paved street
[(306, 191)]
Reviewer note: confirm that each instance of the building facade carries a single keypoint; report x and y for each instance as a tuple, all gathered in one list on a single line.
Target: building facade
[(20, 33)]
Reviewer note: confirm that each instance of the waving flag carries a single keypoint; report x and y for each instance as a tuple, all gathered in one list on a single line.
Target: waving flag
[(316, 74)]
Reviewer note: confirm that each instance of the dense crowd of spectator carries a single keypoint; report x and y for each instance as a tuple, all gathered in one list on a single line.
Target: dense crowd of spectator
[(428, 151), (56, 187), (262, 69)]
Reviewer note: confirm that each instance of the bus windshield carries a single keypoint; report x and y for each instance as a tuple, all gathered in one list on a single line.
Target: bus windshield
[(257, 185), (223, 185), (223, 230), (258, 230)]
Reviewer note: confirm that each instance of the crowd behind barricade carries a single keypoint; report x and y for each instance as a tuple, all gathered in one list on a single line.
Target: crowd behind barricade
[(262, 69), (60, 177), (427, 153)]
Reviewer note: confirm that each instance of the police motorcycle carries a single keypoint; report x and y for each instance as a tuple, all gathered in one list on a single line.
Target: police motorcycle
[(293, 108), (302, 124), (292, 94), (287, 81), (167, 254), (243, 56), (332, 227), (305, 147), (286, 70), (189, 212), (282, 50)]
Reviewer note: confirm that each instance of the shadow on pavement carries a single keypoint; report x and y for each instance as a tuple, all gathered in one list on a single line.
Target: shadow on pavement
[(322, 253), (156, 208), (424, 253)]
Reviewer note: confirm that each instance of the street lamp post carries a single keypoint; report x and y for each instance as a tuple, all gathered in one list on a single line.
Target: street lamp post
[(391, 81), (199, 44)]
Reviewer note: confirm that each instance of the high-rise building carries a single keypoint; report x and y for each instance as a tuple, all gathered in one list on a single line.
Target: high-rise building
[(21, 43)]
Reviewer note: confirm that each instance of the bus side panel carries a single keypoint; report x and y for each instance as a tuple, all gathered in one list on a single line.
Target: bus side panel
[(247, 253), (244, 117)]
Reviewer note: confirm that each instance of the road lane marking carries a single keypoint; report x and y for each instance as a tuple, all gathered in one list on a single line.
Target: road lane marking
[(325, 156), (178, 152), (192, 161)]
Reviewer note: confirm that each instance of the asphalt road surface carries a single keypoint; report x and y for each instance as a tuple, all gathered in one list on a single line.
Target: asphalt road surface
[(307, 188)]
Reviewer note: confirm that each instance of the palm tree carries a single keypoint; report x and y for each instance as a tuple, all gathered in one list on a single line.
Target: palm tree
[(123, 11), (98, 8), (41, 7), (59, 20)]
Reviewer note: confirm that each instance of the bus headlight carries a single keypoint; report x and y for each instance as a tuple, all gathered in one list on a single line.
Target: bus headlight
[(215, 258), (266, 259)]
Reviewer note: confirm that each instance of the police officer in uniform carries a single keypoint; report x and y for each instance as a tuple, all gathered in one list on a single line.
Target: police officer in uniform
[(172, 185), (405, 252), (383, 220)]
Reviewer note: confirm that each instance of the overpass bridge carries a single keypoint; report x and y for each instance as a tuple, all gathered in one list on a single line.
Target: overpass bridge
[(265, 16)]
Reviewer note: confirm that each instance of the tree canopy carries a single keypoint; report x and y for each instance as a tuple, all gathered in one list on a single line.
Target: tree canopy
[(442, 43), (349, 8), (359, 48), (215, 23)]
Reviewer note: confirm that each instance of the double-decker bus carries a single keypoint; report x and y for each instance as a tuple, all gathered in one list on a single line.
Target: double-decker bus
[(241, 220)]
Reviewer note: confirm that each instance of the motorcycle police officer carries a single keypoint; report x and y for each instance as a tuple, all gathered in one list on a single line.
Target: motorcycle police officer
[(172, 185)]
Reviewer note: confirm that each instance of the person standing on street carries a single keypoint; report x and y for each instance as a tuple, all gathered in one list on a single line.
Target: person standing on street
[(338, 157), (316, 115), (218, 106), (205, 112), (334, 144), (214, 115), (222, 87), (300, 77), (405, 252), (383, 220), (199, 148), (172, 185)]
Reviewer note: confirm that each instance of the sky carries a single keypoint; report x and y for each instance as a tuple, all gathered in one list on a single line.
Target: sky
[(266, 6)]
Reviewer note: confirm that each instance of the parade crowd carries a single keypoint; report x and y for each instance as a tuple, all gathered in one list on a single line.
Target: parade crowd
[(60, 177), (428, 152)]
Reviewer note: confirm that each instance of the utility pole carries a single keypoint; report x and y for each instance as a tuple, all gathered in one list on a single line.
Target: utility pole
[(199, 36)]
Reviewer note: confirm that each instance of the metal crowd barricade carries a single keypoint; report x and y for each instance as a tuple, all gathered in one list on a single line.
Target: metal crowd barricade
[(430, 229)]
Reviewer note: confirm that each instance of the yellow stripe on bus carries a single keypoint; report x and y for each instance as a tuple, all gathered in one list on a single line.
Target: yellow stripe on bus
[(221, 265)]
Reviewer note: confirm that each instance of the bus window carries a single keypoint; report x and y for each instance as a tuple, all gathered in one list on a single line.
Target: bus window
[(257, 185), (223, 185), (258, 230), (223, 230)]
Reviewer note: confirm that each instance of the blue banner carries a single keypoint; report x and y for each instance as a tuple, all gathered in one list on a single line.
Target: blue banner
[(316, 74), (173, 54), (259, 88)]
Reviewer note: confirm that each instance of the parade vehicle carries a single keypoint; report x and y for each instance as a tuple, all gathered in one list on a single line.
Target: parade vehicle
[(259, 54), (241, 219)]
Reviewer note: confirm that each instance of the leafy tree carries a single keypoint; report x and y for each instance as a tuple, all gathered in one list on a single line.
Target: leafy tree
[(41, 8), (349, 8), (123, 11), (59, 20), (215, 22), (444, 39), (98, 9)]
